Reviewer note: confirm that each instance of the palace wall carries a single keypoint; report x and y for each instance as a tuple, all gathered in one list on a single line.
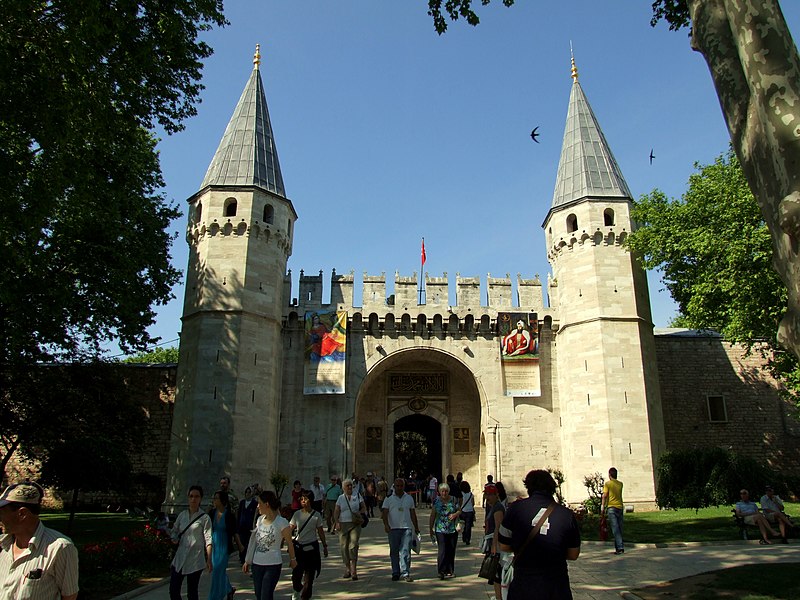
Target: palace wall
[(755, 421)]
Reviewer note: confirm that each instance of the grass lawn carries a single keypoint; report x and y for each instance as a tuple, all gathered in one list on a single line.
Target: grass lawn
[(712, 524), (751, 582), (93, 528), (98, 528)]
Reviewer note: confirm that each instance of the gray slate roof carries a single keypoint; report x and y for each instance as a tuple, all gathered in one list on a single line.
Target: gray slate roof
[(587, 167), (247, 154)]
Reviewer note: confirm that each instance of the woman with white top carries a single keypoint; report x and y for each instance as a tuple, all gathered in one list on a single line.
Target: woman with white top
[(264, 550), (307, 529), (192, 534), (347, 519), (467, 511)]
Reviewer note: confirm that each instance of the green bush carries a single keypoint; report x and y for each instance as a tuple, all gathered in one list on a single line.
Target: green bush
[(594, 485), (144, 548), (700, 477)]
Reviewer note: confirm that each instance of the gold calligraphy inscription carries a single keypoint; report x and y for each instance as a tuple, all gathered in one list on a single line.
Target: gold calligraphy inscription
[(412, 384)]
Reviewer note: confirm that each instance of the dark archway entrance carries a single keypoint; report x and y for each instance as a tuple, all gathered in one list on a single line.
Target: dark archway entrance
[(417, 446)]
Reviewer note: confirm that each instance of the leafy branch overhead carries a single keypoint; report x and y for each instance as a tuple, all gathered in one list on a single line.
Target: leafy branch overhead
[(86, 240), (715, 254), (440, 10), (674, 12)]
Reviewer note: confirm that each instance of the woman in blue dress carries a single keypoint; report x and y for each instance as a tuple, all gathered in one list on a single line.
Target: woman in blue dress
[(224, 539)]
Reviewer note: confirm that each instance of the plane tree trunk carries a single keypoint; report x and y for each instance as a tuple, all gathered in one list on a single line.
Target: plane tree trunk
[(756, 71)]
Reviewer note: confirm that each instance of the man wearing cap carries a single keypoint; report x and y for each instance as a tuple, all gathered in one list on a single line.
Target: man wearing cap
[(36, 562)]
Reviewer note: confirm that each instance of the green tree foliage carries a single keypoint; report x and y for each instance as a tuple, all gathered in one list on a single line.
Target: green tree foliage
[(83, 84), (701, 477), (715, 254), (440, 10), (80, 423), (594, 486), (156, 356), (411, 453)]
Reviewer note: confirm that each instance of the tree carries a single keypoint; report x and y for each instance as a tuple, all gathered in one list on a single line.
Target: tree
[(756, 72), (715, 253), (83, 84), (80, 424), (155, 356)]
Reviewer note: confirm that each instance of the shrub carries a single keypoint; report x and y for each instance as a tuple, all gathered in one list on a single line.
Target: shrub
[(558, 476), (594, 485), (701, 477), (144, 548)]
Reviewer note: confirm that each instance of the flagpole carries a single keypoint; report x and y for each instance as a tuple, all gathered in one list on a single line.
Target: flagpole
[(421, 275)]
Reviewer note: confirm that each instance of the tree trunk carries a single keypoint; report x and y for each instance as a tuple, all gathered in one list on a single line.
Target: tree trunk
[(72, 511), (9, 452), (756, 72)]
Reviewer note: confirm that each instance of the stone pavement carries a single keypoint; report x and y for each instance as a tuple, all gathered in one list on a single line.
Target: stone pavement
[(597, 575)]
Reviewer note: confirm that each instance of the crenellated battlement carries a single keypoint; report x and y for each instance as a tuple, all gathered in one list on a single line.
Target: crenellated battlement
[(233, 228), (603, 236), (501, 294)]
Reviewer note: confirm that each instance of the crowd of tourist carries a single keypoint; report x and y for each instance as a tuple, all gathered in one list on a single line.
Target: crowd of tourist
[(519, 563)]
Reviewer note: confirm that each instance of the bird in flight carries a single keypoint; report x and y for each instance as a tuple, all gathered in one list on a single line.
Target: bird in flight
[(652, 156), (535, 134)]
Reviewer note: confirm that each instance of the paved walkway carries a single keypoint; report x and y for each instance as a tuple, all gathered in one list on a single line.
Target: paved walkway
[(597, 575)]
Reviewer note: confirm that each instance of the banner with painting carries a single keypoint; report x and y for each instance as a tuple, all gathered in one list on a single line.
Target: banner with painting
[(325, 351), (519, 353)]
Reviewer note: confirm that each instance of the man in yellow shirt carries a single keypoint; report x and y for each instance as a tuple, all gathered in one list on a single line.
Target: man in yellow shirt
[(612, 501)]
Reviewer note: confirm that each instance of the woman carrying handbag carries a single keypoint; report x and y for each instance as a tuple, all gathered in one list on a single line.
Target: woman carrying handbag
[(307, 533)]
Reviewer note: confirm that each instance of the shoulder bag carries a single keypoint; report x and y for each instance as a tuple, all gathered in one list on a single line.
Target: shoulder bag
[(508, 574), (298, 547), (177, 543)]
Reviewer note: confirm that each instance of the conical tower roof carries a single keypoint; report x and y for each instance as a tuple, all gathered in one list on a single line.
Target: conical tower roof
[(587, 167), (247, 154)]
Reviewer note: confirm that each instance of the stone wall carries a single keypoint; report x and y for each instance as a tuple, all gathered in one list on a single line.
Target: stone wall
[(153, 387), (759, 423)]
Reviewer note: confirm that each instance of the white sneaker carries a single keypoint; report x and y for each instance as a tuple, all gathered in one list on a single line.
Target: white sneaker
[(295, 595)]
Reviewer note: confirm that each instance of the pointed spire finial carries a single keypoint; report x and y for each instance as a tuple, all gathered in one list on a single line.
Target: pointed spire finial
[(574, 68), (257, 57)]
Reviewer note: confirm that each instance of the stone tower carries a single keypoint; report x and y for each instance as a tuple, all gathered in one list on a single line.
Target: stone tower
[(608, 387), (229, 373)]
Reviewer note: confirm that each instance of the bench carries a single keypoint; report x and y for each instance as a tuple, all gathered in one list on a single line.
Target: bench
[(743, 527)]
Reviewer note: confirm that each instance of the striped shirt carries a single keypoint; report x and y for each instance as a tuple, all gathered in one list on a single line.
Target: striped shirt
[(46, 570)]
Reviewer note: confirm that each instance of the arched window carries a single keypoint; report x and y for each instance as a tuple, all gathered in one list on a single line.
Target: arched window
[(230, 207), (198, 212), (608, 217), (572, 223), (269, 214)]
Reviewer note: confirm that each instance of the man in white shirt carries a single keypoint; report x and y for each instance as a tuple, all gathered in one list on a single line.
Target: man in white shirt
[(36, 562), (772, 506), (399, 517), (319, 494)]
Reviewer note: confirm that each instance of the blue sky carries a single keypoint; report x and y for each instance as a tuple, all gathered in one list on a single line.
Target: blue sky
[(387, 132)]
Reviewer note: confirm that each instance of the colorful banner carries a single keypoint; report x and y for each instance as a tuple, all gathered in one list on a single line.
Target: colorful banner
[(325, 350), (519, 353)]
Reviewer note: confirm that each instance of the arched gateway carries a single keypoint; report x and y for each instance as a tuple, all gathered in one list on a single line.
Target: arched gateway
[(418, 409)]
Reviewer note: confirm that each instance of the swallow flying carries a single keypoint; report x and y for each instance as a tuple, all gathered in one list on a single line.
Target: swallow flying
[(534, 134), (652, 156)]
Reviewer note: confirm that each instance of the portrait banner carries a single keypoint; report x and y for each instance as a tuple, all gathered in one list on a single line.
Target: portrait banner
[(325, 352), (519, 353)]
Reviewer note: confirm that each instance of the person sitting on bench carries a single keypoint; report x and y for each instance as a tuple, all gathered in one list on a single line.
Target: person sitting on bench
[(772, 506), (748, 510)]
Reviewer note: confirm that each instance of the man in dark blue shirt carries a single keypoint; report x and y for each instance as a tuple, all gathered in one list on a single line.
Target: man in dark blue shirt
[(540, 570)]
